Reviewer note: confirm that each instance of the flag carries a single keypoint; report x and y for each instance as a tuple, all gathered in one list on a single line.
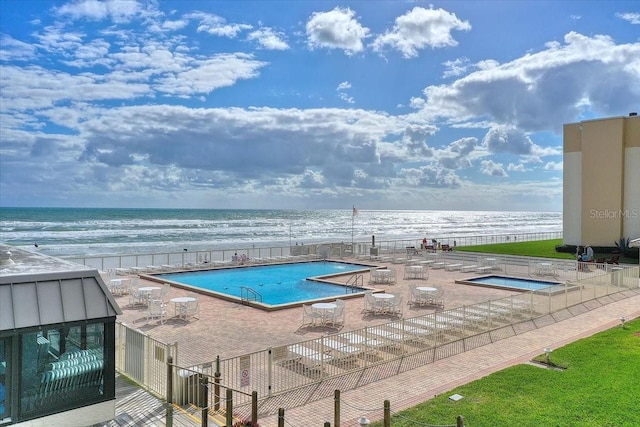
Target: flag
[(355, 211)]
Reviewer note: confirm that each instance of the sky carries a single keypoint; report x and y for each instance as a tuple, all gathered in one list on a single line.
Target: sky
[(452, 105)]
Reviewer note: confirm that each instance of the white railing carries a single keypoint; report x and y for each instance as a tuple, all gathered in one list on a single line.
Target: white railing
[(336, 250)]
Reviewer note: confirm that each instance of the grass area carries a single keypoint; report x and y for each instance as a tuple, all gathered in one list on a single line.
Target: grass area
[(598, 388), (537, 248)]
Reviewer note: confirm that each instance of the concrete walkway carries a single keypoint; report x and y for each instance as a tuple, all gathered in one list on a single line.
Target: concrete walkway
[(136, 408)]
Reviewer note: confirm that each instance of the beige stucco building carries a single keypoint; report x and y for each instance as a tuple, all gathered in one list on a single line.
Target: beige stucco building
[(601, 200)]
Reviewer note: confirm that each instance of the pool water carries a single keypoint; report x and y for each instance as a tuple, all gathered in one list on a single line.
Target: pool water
[(277, 284), (512, 283)]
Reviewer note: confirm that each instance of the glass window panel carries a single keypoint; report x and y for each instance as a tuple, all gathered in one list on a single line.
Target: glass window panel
[(62, 368), (5, 389)]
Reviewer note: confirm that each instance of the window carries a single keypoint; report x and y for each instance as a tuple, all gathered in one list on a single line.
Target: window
[(62, 367), (5, 389)]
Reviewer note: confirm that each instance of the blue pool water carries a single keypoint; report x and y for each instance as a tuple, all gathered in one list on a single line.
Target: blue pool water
[(277, 284), (512, 282)]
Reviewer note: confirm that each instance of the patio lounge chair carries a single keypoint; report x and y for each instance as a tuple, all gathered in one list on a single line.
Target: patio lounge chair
[(308, 358), (614, 259), (453, 266), (343, 354)]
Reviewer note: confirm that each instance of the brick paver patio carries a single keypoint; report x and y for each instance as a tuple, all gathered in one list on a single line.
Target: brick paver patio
[(230, 329)]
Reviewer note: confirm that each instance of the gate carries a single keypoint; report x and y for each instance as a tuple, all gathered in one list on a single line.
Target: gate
[(143, 358)]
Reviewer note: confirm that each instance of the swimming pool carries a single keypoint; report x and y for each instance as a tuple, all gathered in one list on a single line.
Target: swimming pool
[(278, 285), (510, 283)]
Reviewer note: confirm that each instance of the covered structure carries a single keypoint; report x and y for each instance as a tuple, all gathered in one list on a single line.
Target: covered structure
[(57, 342)]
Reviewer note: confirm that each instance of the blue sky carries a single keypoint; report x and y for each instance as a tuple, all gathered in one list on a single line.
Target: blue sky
[(305, 104)]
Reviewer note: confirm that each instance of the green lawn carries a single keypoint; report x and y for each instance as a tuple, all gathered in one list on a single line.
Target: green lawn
[(538, 248), (599, 387)]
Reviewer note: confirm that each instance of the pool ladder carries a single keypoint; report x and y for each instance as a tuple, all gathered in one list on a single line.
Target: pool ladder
[(355, 283), (248, 294)]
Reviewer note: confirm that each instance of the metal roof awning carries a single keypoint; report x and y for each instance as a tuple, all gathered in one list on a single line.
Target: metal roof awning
[(59, 293)]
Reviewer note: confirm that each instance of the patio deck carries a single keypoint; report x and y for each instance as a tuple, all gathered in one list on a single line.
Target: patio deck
[(230, 329)]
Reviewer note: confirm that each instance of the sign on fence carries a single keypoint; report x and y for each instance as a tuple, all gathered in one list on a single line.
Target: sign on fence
[(245, 373)]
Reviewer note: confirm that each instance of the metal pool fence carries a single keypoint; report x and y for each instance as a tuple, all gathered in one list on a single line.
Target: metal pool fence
[(330, 249)]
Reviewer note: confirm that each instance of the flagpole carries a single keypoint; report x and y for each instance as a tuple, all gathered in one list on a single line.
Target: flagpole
[(353, 217)]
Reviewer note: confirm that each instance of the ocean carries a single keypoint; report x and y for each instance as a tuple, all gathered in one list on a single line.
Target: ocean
[(86, 231)]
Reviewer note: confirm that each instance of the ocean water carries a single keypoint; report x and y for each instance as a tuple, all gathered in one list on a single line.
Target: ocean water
[(86, 231)]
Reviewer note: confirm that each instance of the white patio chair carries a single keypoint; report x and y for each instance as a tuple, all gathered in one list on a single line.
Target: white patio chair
[(438, 298), (155, 294), (391, 279), (310, 316), (415, 296), (136, 296), (396, 307), (369, 302), (164, 291), (191, 308), (156, 309), (338, 316)]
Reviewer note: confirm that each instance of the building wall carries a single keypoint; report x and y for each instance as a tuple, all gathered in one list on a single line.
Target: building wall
[(601, 181), (632, 179), (632, 193), (572, 185), (602, 177)]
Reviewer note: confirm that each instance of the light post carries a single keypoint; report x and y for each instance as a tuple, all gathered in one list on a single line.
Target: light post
[(364, 421), (547, 351), (622, 320)]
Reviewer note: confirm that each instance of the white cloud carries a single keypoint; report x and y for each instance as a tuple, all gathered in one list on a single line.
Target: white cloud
[(456, 67), (631, 17), (342, 95), (15, 50), (337, 29), (457, 155), (517, 168), (117, 10), (34, 88), (421, 28), (217, 25), (542, 90), (208, 75), (553, 166), (174, 25), (273, 143), (348, 99), (501, 139), (268, 39), (491, 168)]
